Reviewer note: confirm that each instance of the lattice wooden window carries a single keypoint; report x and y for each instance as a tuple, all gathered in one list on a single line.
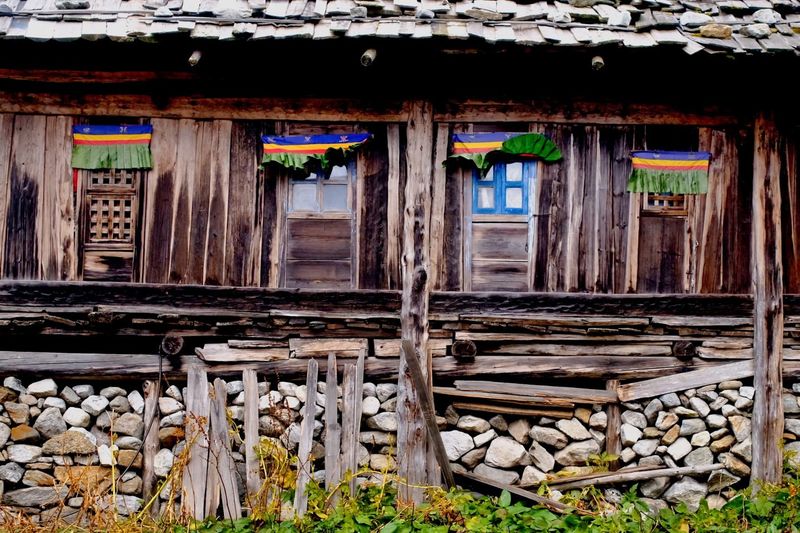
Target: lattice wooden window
[(664, 204), (110, 202)]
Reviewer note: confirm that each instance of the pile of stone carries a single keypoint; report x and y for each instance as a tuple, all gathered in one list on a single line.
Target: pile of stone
[(56, 445)]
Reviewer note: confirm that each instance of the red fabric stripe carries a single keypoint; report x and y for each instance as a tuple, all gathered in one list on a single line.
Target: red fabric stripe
[(299, 152), (661, 166), (99, 143)]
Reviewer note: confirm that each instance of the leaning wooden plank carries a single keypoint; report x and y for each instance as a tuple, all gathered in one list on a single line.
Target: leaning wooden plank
[(479, 483), (686, 380), (322, 347), (702, 321), (627, 477), (573, 394), (304, 459), (556, 481), (513, 410), (333, 430), (194, 474), (222, 353), (151, 445), (613, 424), (505, 398), (252, 476), (354, 426), (349, 439), (226, 469)]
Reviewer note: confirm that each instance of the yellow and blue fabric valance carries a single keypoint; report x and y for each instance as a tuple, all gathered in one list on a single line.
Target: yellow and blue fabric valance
[(295, 151), (484, 149), (102, 147), (672, 172)]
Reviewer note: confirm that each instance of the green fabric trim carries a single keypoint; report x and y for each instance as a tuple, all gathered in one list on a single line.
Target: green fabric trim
[(481, 161), (331, 158), (111, 156), (521, 147), (686, 182)]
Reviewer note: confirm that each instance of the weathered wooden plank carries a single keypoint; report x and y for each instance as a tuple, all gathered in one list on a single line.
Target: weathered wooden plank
[(333, 429), (613, 424), (702, 321), (514, 399), (196, 469), (551, 412), (587, 338), (572, 394), (790, 198), (222, 353), (438, 196), (628, 477), (686, 380), (220, 457), (349, 461), (632, 243), (304, 459), (181, 250), (373, 171), (576, 350), (558, 216), (411, 441), (220, 166), (251, 438), (767, 277), (6, 132), (481, 483), (393, 210), (151, 445), (391, 347), (319, 347), (57, 235), (200, 200), (558, 320)]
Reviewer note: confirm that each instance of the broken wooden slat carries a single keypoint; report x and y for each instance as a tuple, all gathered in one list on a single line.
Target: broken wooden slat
[(322, 347), (556, 480), (194, 474), (304, 460), (391, 347), (505, 398), (151, 444), (627, 477), (333, 429), (221, 447), (570, 394), (687, 380), (251, 439), (429, 414), (702, 321), (241, 344), (222, 353), (513, 410)]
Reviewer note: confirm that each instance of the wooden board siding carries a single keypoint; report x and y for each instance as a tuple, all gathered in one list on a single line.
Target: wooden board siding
[(790, 196)]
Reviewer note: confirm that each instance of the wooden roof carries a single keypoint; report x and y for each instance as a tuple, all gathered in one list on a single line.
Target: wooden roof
[(732, 26)]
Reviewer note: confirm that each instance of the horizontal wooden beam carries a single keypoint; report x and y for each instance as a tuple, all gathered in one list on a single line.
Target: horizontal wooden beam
[(687, 380), (203, 107), (94, 77)]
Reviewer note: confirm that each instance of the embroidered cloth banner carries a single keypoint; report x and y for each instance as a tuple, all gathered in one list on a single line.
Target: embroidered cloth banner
[(669, 172), (484, 149), (294, 151), (106, 147)]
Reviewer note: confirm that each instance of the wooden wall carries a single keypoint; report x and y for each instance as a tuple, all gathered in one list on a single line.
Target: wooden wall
[(210, 216)]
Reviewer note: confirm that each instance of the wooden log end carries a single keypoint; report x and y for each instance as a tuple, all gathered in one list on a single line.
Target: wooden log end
[(464, 351)]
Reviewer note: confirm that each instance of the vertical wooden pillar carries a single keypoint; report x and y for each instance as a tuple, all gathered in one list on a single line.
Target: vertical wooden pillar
[(152, 390), (613, 424), (767, 275), (411, 434)]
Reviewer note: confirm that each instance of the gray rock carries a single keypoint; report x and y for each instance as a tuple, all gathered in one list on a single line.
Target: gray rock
[(577, 453), (653, 460), (15, 384), (129, 424), (175, 419), (730, 394), (792, 425), (699, 406), (43, 388), (598, 420), (128, 443), (23, 453), (744, 450), (105, 455), (378, 438), (11, 472), (383, 422), (126, 505), (83, 391), (120, 404), (499, 423), (717, 404), (653, 409), (136, 402), (472, 458), (384, 391), (687, 491), (5, 433), (473, 424), (655, 487), (550, 436), (287, 389), (18, 412), (670, 400), (370, 406), (692, 19), (701, 439), (575, 430), (598, 436), (270, 426), (692, 426), (70, 442), (686, 413), (715, 421), (747, 392), (35, 496), (94, 405), (699, 457), (505, 452), (792, 453), (519, 429), (50, 423), (368, 389), (168, 405), (634, 418), (541, 458), (456, 444), (741, 427), (790, 405), (162, 463), (629, 434), (390, 405), (645, 447), (496, 474), (627, 455), (174, 392), (730, 385), (734, 465), (743, 403), (766, 16), (484, 438), (451, 415), (52, 401), (532, 476), (666, 420), (720, 479), (112, 392), (729, 410), (232, 388), (679, 449)]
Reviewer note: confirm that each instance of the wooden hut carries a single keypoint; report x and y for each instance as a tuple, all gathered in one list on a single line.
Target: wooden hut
[(536, 269)]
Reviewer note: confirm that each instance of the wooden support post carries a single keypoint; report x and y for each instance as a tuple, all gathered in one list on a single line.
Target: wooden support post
[(349, 463), (767, 275), (152, 390), (252, 476), (221, 460), (333, 430), (613, 423), (194, 474), (412, 449), (304, 461)]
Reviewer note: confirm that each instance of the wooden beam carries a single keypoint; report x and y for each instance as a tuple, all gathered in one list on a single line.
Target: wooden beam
[(411, 441), (220, 458), (541, 392), (613, 424), (514, 399), (767, 275), (627, 477), (687, 380), (304, 459), (196, 469), (251, 439), (333, 430), (480, 483), (514, 410), (151, 445), (438, 193), (394, 215)]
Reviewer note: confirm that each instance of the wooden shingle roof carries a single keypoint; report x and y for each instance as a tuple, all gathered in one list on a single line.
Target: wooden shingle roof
[(731, 26)]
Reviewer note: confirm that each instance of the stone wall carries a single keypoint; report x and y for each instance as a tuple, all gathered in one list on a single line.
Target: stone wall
[(56, 439)]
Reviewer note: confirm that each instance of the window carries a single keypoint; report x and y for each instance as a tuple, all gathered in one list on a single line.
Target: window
[(663, 204), (503, 190), (316, 194)]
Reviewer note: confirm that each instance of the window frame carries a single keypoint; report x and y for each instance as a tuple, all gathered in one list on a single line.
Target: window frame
[(320, 183), (501, 184), (664, 210)]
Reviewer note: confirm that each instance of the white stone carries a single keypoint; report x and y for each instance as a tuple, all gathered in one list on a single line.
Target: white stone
[(503, 476), (666, 420), (792, 453), (175, 419), (541, 458), (692, 426), (168, 405), (77, 417), (700, 406), (519, 429), (699, 457), (629, 434), (741, 426), (232, 388), (598, 420), (790, 404), (634, 418), (627, 455), (112, 392), (687, 491), (484, 437), (619, 18), (162, 463), (694, 19), (645, 447), (16, 385), (679, 449), (174, 392), (384, 391), (136, 401), (370, 406), (83, 391), (653, 409), (747, 392), (276, 397), (368, 389), (505, 452), (701, 439), (456, 443), (50, 422), (5, 433), (574, 429), (715, 421), (94, 405), (549, 436), (43, 388), (766, 16), (532, 476), (670, 400), (577, 453), (106, 455), (383, 422), (743, 403), (52, 401), (473, 424), (287, 389), (23, 453)]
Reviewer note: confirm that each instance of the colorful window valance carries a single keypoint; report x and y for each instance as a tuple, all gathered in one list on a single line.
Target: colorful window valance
[(295, 151), (106, 147), (484, 149), (673, 172)]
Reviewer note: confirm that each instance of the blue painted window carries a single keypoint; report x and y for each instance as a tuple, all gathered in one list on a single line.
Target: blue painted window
[(504, 189)]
